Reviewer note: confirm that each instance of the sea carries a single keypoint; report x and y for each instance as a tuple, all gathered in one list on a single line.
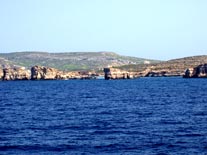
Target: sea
[(145, 116)]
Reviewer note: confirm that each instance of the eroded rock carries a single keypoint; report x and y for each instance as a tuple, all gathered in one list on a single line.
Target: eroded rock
[(1, 73), (47, 73), (197, 72), (113, 73), (16, 74), (44, 73)]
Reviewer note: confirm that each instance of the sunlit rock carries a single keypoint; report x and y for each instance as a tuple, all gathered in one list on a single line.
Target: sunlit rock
[(1, 73), (113, 73), (16, 74), (43, 73)]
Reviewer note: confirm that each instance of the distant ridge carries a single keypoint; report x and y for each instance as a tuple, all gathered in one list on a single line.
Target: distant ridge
[(69, 61), (198, 58), (175, 65)]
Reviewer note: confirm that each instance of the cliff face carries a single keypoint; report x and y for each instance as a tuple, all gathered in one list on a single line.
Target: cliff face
[(163, 72), (42, 73), (46, 73), (16, 74), (1, 73), (113, 73), (196, 72)]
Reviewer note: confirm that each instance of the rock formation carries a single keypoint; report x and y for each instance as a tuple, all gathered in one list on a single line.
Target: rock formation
[(113, 73), (68, 75), (162, 73), (1, 73), (196, 72), (43, 73), (16, 74), (153, 71), (47, 73)]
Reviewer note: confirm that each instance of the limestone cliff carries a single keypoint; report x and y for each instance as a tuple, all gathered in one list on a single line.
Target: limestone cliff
[(16, 74), (114, 73), (43, 73), (165, 72), (48, 73), (1, 73), (196, 72)]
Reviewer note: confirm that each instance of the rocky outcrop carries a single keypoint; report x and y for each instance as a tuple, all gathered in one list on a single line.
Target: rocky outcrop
[(196, 72), (162, 73), (69, 75), (16, 74), (43, 73), (113, 73), (1, 73), (48, 73), (152, 71), (88, 74)]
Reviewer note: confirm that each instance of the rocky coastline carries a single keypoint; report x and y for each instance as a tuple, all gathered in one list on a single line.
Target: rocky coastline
[(90, 65), (110, 73), (199, 71), (114, 73), (42, 73), (15, 74)]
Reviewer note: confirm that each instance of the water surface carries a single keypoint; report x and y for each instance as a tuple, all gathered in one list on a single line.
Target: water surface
[(146, 116)]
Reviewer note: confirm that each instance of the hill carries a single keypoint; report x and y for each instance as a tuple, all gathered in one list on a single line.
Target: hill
[(171, 67), (69, 61)]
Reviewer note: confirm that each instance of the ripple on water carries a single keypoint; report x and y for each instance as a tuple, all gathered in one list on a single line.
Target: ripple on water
[(143, 116)]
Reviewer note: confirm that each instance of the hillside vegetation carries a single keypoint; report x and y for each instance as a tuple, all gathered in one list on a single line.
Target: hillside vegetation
[(175, 65), (73, 61), (69, 61)]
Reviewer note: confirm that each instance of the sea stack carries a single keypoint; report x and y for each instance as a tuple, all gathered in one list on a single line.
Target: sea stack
[(197, 72)]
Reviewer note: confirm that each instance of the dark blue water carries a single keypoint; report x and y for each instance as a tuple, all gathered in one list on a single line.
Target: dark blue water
[(147, 116)]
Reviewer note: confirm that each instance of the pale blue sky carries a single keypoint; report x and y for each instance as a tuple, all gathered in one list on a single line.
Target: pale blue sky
[(158, 29)]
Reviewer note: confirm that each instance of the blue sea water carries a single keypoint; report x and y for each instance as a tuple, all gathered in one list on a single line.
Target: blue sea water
[(146, 116)]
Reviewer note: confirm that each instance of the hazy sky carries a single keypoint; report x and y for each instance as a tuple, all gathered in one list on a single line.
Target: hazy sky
[(158, 29)]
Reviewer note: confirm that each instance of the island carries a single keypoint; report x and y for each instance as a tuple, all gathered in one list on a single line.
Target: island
[(94, 65)]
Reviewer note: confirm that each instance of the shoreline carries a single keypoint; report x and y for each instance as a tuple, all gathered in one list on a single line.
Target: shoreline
[(110, 73)]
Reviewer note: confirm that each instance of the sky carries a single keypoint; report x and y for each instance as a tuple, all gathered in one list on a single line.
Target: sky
[(155, 29)]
